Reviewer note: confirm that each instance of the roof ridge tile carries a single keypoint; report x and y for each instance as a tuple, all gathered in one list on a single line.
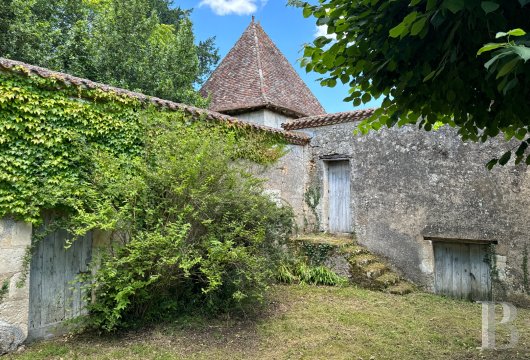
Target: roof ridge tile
[(22, 68), (328, 119)]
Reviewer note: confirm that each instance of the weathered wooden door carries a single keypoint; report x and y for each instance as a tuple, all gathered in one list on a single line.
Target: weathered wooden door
[(53, 297), (339, 198), (461, 270)]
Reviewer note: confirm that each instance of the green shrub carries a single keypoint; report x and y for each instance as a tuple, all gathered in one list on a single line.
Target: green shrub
[(191, 228), (301, 272)]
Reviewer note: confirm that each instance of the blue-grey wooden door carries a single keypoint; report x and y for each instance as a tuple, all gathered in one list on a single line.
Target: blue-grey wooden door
[(339, 198), (462, 270), (53, 296)]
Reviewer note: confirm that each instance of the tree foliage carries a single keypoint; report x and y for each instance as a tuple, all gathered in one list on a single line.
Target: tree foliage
[(144, 45), (421, 57), (191, 229)]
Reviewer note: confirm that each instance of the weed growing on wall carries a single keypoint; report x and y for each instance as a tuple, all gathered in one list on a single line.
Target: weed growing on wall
[(312, 199), (4, 290)]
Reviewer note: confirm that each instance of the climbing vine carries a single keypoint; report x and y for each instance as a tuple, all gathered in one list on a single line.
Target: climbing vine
[(49, 132), (312, 199), (193, 226)]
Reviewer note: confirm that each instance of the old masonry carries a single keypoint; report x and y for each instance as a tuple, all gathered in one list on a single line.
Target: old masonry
[(422, 200)]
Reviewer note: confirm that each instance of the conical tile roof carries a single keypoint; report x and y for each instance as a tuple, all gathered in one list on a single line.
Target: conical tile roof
[(256, 75)]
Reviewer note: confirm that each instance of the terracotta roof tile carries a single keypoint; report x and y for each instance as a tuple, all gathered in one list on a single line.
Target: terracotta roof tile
[(69, 80), (256, 75), (328, 119)]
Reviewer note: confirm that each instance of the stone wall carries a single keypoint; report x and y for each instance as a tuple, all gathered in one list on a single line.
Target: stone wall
[(407, 184), (286, 181), (15, 237)]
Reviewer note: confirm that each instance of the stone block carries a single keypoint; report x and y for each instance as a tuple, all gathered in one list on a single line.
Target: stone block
[(15, 312), (6, 230), (15, 292), (11, 260), (21, 235), (11, 337)]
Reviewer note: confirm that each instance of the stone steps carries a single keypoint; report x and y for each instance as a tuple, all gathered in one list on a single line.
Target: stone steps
[(347, 258)]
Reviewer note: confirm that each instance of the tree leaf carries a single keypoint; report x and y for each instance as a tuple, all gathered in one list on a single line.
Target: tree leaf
[(523, 52), (307, 11), (492, 163), (430, 76), (489, 6), (508, 67), (396, 31), (505, 158), (522, 148), (454, 5), (517, 32), (524, 2), (418, 26), (500, 34), (431, 4), (495, 58), (489, 47)]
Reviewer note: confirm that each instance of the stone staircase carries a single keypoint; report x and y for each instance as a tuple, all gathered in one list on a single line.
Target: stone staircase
[(344, 256)]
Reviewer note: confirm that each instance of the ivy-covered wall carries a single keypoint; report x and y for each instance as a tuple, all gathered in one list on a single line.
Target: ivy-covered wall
[(50, 130)]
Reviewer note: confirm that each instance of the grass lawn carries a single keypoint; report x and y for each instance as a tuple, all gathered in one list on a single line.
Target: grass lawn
[(306, 322)]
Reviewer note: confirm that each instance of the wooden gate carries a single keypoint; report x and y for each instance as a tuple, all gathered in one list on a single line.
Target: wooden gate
[(462, 270), (339, 199), (53, 297)]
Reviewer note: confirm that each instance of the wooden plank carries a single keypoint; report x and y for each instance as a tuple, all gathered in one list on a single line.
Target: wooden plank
[(57, 278), (35, 288), (339, 185), (70, 289), (485, 279), (47, 285), (84, 267), (438, 264), (466, 269), (475, 258), (446, 270)]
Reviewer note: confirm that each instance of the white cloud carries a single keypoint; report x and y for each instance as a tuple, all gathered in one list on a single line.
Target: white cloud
[(239, 7), (322, 30)]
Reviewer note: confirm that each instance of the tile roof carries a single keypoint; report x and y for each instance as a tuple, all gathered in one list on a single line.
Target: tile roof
[(21, 68), (328, 119), (256, 75)]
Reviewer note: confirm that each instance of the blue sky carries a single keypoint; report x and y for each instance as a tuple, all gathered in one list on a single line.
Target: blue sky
[(227, 19)]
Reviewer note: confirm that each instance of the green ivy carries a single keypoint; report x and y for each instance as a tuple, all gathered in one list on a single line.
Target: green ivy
[(316, 253), (46, 135), (49, 132)]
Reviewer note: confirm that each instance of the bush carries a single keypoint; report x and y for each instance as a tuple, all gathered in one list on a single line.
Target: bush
[(190, 228), (300, 272)]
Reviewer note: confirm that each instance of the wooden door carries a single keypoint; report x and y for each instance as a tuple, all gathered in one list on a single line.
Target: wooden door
[(339, 197), (461, 270), (53, 297)]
